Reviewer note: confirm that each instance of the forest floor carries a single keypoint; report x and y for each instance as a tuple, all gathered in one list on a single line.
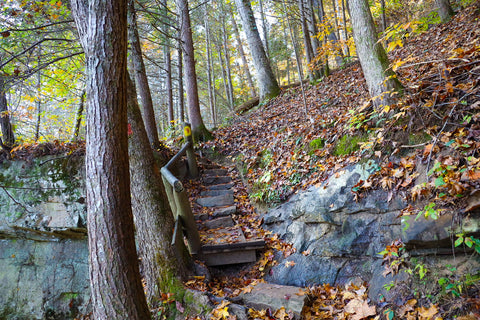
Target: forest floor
[(284, 146)]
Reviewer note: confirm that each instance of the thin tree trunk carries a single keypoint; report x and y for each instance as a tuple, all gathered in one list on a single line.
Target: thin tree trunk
[(8, 136), (38, 100), (384, 17), (154, 223), (210, 69), (268, 85), (264, 28), (227, 63), (200, 132), (306, 41), (297, 56), (345, 31), (224, 73), (445, 10), (168, 82), (243, 56), (79, 115), (373, 58), (117, 291), (181, 100), (141, 78), (335, 18)]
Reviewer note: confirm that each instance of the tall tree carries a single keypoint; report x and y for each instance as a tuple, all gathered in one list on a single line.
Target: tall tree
[(268, 85), (307, 41), (199, 131), (141, 77), (381, 80), (117, 291), (243, 56), (162, 268)]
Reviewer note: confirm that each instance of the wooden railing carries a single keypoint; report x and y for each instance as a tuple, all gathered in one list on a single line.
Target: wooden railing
[(178, 197)]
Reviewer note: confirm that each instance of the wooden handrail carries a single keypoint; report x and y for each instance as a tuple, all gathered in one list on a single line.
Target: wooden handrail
[(178, 198)]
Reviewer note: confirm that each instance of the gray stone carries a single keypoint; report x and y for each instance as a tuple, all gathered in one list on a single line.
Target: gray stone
[(223, 186), (215, 172), (39, 277), (240, 312), (273, 296), (222, 222), (210, 193), (196, 303), (216, 201), (213, 180), (226, 211)]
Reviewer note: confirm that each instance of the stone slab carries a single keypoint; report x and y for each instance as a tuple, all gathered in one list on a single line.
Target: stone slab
[(215, 172), (274, 296), (232, 257), (211, 180), (211, 193), (222, 222), (216, 201), (223, 186), (226, 211)]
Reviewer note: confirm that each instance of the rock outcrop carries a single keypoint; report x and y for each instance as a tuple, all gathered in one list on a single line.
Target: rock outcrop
[(337, 239), (43, 239)]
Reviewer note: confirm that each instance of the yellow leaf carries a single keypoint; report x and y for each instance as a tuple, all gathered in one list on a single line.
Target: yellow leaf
[(397, 64), (280, 314), (427, 313)]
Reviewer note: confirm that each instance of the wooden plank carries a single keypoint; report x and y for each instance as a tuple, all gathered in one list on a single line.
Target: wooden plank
[(227, 247), (226, 258)]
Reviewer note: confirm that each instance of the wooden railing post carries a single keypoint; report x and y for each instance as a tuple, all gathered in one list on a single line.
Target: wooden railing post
[(186, 217), (192, 162)]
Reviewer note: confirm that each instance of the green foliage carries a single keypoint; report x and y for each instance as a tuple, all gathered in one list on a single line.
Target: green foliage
[(316, 144), (470, 241), (429, 211), (348, 144)]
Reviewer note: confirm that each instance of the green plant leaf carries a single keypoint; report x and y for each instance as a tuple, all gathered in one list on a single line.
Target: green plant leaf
[(439, 182)]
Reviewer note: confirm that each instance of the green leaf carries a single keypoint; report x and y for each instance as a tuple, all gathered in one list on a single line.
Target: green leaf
[(459, 241), (389, 314), (439, 182), (469, 242)]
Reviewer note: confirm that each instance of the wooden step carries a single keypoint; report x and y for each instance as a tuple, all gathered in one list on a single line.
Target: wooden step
[(223, 186), (215, 172), (211, 193), (216, 201), (221, 222), (212, 180)]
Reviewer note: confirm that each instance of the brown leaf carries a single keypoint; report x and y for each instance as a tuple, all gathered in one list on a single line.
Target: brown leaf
[(360, 309), (427, 313)]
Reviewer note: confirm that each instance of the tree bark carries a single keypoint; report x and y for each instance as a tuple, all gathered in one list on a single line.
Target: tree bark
[(117, 291), (141, 77), (199, 131), (445, 10), (373, 58), (243, 56), (153, 217), (227, 62), (345, 31), (8, 136), (168, 63), (267, 83)]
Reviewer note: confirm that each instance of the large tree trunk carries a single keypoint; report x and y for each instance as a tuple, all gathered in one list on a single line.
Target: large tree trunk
[(264, 28), (267, 83), (199, 131), (445, 10), (8, 137), (141, 77), (181, 100), (153, 217), (373, 58), (246, 69), (117, 291)]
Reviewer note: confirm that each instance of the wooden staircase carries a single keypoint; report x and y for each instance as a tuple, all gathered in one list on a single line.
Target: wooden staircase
[(223, 242), (214, 237)]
